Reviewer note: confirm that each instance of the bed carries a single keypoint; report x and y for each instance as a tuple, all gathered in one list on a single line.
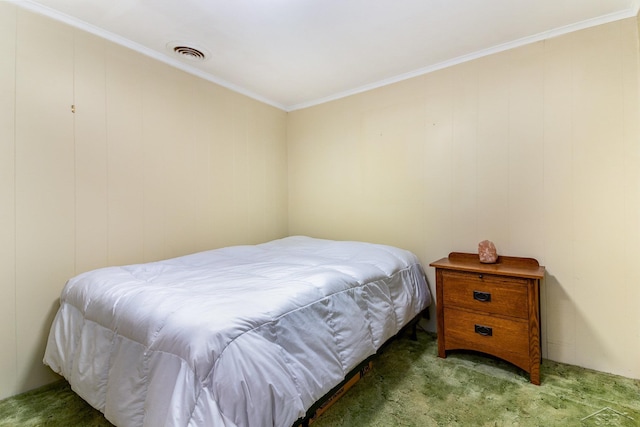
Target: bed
[(239, 336)]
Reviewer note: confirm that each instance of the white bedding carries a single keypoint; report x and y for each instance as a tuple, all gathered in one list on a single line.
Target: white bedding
[(240, 336)]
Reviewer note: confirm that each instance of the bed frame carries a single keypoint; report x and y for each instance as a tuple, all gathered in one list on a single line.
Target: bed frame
[(356, 374)]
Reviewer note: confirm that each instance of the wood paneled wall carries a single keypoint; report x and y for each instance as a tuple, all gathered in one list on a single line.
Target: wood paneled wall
[(535, 148), (154, 163)]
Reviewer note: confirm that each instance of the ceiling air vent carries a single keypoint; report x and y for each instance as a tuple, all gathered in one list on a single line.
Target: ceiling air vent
[(188, 51)]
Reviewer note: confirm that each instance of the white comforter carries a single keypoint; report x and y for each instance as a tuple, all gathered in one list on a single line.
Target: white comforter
[(240, 336)]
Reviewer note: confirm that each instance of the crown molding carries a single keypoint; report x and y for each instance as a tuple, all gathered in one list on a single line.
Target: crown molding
[(605, 19), (84, 26)]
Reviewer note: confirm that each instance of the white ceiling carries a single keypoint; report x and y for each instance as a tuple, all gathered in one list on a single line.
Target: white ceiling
[(297, 53)]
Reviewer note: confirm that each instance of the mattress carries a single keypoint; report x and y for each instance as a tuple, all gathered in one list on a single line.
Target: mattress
[(239, 336)]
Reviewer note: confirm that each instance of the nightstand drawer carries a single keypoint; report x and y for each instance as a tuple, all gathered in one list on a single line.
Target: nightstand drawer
[(486, 293), (505, 338)]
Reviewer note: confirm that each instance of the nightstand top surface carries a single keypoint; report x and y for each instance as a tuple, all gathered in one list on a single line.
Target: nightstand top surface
[(505, 265)]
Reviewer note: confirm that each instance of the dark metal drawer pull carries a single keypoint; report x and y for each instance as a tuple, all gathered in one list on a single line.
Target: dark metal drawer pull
[(482, 296), (485, 331)]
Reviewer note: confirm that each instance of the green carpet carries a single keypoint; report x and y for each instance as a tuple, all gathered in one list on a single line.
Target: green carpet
[(410, 386)]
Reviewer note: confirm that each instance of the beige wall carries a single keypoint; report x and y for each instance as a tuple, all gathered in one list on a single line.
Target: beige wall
[(155, 163), (536, 149)]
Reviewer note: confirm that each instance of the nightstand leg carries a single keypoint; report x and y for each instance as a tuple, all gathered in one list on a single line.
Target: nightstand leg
[(534, 376)]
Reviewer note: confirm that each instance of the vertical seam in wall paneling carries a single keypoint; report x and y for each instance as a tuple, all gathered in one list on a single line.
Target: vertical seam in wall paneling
[(107, 157), (142, 82), (510, 79), (573, 186), (476, 140), (105, 218), (75, 151), (15, 207), (245, 124), (452, 140), (543, 313)]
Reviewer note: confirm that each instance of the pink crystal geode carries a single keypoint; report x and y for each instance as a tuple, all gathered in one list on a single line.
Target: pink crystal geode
[(487, 252)]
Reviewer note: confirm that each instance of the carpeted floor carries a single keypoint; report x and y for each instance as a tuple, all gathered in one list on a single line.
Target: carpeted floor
[(410, 386)]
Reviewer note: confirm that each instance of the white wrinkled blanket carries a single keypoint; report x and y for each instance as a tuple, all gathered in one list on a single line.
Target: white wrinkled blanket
[(241, 336)]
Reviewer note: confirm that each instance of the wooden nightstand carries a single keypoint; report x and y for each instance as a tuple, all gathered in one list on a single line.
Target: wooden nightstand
[(490, 308)]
